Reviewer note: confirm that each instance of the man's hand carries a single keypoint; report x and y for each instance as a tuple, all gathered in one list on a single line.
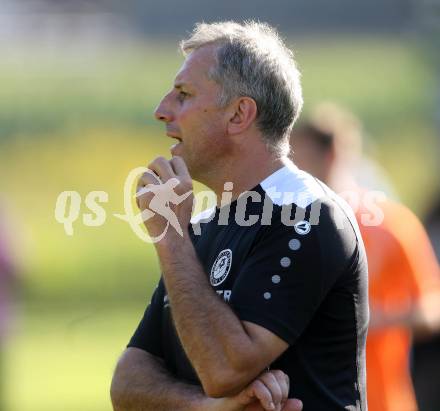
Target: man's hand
[(269, 392), (166, 194)]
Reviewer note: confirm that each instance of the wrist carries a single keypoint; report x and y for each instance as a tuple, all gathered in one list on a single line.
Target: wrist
[(216, 404), (172, 245), (205, 404)]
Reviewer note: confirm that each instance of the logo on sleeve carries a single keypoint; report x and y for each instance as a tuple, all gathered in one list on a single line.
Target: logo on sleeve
[(302, 227), (221, 267)]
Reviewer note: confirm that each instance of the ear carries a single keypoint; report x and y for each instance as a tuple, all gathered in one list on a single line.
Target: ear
[(243, 113)]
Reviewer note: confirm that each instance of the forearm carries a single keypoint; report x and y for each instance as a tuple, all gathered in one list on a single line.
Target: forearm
[(213, 337), (428, 315), (142, 383), (421, 317)]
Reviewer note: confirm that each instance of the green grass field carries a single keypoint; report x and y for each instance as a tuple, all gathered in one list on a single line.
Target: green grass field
[(73, 122), (63, 360)]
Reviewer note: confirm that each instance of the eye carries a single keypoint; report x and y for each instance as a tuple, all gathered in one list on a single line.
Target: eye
[(182, 95)]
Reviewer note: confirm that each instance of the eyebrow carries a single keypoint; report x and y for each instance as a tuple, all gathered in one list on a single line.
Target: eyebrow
[(180, 85)]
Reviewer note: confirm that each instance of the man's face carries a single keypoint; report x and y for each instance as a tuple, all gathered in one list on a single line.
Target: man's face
[(192, 115)]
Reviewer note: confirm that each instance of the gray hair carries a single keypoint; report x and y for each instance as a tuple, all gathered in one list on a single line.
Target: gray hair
[(253, 61)]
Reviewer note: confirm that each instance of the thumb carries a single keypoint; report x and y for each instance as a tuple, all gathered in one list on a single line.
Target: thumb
[(293, 405)]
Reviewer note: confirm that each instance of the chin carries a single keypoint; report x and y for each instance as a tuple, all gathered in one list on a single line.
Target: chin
[(176, 150), (179, 151)]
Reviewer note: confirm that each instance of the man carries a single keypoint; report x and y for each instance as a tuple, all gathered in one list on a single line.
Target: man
[(426, 351), (403, 272), (248, 287)]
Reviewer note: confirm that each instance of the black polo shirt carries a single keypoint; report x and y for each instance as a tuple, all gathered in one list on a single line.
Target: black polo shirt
[(287, 256)]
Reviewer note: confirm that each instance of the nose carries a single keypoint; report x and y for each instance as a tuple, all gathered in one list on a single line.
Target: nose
[(163, 112)]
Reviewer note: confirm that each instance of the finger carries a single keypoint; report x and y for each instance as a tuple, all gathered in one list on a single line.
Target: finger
[(273, 386), (179, 166), (260, 391), (147, 178), (283, 382), (293, 405), (143, 182), (162, 167)]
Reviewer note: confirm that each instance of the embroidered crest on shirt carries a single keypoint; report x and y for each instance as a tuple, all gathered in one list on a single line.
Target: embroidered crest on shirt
[(221, 267)]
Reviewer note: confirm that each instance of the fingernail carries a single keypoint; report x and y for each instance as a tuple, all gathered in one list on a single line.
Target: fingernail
[(271, 405)]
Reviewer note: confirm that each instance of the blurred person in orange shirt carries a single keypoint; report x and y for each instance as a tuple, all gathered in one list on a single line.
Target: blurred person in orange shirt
[(426, 352), (404, 279)]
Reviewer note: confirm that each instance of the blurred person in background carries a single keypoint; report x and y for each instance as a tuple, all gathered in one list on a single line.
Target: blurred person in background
[(403, 270), (8, 283), (426, 353)]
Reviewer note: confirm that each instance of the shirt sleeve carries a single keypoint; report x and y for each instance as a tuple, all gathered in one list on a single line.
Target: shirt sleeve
[(285, 278), (148, 335)]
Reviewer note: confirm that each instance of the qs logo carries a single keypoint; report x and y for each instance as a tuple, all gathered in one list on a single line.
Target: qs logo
[(68, 206)]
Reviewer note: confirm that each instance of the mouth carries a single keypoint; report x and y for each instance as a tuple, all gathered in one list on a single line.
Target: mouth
[(175, 148), (175, 137)]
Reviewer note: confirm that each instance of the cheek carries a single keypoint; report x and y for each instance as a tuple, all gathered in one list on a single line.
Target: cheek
[(191, 118), (203, 121), (184, 116)]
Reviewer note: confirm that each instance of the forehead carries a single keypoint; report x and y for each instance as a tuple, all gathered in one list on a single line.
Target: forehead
[(196, 66)]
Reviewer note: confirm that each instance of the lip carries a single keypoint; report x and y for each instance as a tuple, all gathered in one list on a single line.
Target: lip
[(172, 135)]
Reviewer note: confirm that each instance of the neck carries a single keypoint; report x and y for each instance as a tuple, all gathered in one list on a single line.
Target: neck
[(244, 173)]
